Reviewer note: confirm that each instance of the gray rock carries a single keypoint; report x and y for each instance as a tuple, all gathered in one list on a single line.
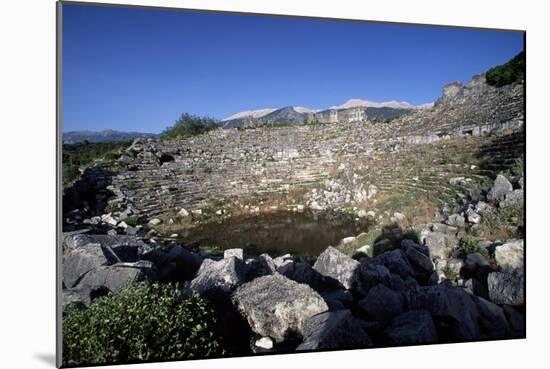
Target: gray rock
[(155, 221), (334, 264), (265, 343), (455, 220), (126, 248), (277, 307), (437, 243), (417, 257), (415, 327), (492, 320), (501, 188), (118, 276), (238, 253), (302, 272), (81, 296), (80, 261), (396, 262), (507, 287), (77, 296), (382, 246), (219, 276), (337, 299), (333, 330), (370, 275), (516, 320), (476, 265), (187, 262), (450, 304), (512, 199), (279, 260), (472, 216), (382, 304), (510, 254), (453, 267), (260, 266), (475, 287)]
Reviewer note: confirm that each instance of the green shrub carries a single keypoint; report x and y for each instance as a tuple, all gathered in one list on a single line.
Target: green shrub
[(468, 244), (141, 323), (85, 153), (189, 125), (111, 207), (131, 221), (508, 72)]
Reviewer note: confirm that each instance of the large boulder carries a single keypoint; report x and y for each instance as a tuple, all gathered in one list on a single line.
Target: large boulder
[(338, 299), (477, 266), (277, 307), (492, 320), (516, 320), (81, 260), (370, 275), (260, 266), (81, 296), (415, 327), (333, 330), (382, 304), (501, 188), (418, 257), (302, 272), (396, 262), (186, 263), (456, 220), (126, 248), (507, 287), (440, 244), (514, 198), (238, 253), (510, 254), (334, 264), (117, 276), (219, 276), (451, 305)]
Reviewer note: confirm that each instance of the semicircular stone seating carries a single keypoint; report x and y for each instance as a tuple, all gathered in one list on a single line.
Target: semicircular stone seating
[(474, 134)]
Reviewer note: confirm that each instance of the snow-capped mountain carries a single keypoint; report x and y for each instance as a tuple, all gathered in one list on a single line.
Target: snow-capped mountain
[(250, 113), (301, 109), (352, 103)]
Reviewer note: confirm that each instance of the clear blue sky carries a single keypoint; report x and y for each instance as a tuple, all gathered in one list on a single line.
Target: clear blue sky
[(138, 69)]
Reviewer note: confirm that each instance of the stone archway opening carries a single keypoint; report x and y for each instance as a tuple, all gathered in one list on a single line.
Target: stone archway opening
[(166, 158)]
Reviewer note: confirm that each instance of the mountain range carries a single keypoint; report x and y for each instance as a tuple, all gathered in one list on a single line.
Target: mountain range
[(107, 135), (300, 114)]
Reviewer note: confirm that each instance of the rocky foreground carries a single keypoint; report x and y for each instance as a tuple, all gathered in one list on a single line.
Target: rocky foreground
[(416, 289)]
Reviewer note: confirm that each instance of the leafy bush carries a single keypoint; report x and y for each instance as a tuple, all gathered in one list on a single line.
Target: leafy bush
[(468, 244), (131, 221), (141, 323), (85, 153), (189, 125), (508, 72)]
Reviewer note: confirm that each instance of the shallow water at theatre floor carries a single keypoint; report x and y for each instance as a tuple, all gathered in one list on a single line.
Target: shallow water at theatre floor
[(276, 233)]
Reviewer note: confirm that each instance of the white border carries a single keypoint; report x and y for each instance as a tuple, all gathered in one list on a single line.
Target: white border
[(27, 324)]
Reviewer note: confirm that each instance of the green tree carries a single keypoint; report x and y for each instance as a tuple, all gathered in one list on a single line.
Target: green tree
[(189, 125), (508, 72)]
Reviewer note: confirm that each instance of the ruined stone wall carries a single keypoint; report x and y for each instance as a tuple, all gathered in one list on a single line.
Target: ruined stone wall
[(357, 114)]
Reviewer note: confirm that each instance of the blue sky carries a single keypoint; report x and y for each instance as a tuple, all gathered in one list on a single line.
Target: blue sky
[(137, 69)]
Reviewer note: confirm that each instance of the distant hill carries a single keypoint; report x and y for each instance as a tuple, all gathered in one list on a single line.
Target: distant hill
[(107, 135)]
